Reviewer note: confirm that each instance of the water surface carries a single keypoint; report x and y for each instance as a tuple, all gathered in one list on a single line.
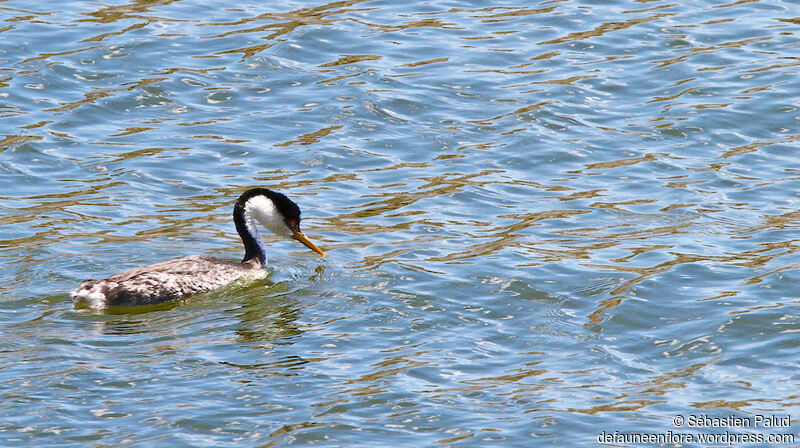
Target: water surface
[(542, 222)]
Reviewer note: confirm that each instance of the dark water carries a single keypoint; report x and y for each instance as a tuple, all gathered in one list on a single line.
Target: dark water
[(542, 222)]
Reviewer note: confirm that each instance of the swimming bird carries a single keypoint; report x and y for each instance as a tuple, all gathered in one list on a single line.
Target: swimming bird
[(181, 277)]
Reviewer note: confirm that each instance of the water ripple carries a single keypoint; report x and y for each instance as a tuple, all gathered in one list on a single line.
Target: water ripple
[(544, 220)]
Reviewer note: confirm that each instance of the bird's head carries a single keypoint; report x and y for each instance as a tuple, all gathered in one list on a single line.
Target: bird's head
[(276, 212)]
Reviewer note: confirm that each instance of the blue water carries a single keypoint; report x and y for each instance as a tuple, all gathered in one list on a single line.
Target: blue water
[(543, 222)]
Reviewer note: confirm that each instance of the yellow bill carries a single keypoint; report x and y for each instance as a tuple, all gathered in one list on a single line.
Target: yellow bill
[(299, 236)]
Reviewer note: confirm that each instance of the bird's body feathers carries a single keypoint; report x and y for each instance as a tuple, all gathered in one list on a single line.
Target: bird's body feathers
[(173, 279)]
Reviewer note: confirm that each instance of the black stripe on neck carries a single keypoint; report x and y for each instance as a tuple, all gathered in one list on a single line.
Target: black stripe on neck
[(252, 247), (285, 206)]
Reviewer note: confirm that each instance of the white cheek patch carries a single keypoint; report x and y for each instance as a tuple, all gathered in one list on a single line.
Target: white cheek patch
[(264, 211)]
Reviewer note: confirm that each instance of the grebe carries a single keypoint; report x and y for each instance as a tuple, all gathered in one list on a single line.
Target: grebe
[(173, 279)]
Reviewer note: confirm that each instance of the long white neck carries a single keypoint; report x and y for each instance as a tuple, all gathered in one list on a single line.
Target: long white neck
[(255, 236), (258, 209), (245, 216)]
